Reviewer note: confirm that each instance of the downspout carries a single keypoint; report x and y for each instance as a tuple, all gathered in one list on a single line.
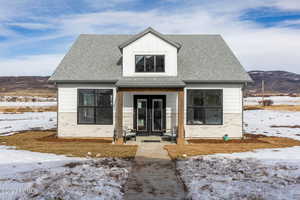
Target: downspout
[(243, 91), (57, 109)]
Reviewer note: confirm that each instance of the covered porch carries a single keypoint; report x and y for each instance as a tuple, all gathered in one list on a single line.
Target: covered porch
[(149, 111)]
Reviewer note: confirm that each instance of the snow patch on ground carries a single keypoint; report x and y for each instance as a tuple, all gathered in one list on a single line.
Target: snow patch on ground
[(278, 100), (236, 176), (260, 122), (27, 104), (14, 161), (12, 123), (31, 175), (26, 99), (270, 156)]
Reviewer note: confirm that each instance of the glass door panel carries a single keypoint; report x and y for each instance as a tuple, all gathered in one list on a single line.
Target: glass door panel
[(141, 114), (157, 114)]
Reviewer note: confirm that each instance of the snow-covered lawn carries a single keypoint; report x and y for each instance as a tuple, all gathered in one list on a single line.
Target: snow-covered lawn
[(27, 104), (11, 123), (31, 175), (260, 122), (278, 100), (269, 174)]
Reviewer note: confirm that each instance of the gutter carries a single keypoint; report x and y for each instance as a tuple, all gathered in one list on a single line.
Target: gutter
[(218, 81), (82, 81)]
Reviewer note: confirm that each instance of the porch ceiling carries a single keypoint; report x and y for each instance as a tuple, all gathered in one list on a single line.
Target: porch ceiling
[(150, 82)]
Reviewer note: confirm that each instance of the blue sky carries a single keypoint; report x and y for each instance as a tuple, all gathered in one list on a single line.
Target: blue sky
[(35, 34)]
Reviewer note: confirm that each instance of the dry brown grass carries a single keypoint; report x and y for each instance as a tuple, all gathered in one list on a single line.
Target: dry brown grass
[(46, 142), (12, 109), (217, 146), (285, 126), (274, 107), (47, 93)]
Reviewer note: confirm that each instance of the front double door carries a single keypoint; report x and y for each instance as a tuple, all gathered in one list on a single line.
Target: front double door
[(149, 114)]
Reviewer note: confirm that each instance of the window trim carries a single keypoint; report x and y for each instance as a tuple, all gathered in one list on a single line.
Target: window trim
[(144, 55), (94, 107), (205, 107)]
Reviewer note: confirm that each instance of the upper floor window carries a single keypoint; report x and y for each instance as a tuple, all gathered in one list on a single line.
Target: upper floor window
[(149, 63)]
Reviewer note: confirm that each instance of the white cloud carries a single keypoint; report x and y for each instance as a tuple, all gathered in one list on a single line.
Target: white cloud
[(288, 4), (100, 4), (30, 65), (290, 22), (256, 46), (26, 25)]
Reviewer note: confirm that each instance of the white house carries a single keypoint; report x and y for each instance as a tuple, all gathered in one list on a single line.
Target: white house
[(150, 83)]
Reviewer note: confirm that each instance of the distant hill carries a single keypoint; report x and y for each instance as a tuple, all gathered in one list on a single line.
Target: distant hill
[(26, 86), (275, 82)]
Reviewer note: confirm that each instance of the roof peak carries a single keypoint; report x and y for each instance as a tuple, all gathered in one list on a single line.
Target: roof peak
[(146, 31)]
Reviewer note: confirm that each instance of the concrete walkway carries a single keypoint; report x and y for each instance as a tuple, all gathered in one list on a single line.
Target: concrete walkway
[(153, 175)]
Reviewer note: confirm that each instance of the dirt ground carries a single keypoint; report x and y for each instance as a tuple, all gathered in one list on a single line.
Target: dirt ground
[(46, 142), (47, 93), (274, 107), (206, 147), (13, 109)]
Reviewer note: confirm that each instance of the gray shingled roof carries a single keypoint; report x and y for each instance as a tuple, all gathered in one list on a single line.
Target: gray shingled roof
[(156, 82), (201, 58)]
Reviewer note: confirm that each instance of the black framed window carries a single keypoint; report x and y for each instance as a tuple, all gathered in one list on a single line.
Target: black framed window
[(95, 106), (204, 107), (149, 63)]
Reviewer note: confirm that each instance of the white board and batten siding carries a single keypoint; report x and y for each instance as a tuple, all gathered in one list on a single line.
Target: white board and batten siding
[(67, 112), (232, 113), (149, 44)]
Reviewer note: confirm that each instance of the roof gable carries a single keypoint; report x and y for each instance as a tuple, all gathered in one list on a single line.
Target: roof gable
[(143, 33)]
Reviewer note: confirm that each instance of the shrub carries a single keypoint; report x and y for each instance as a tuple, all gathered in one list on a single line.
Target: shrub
[(266, 102)]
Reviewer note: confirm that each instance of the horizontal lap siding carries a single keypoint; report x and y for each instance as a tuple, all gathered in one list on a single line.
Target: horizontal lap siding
[(232, 113), (67, 100), (67, 113), (232, 109)]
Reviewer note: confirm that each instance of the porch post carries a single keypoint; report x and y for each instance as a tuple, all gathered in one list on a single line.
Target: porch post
[(180, 138), (119, 117)]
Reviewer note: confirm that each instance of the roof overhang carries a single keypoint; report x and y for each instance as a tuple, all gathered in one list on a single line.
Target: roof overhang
[(150, 82), (82, 81), (217, 81)]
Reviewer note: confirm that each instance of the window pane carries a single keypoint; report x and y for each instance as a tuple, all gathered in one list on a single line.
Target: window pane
[(86, 115), (157, 109), (213, 98), (104, 98), (149, 63), (104, 116), (86, 97), (195, 116), (195, 98), (142, 114), (160, 63), (213, 116), (139, 64)]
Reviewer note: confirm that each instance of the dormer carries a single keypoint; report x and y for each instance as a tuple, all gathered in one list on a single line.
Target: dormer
[(149, 54)]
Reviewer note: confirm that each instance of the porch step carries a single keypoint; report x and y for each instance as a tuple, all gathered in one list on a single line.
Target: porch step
[(148, 139)]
